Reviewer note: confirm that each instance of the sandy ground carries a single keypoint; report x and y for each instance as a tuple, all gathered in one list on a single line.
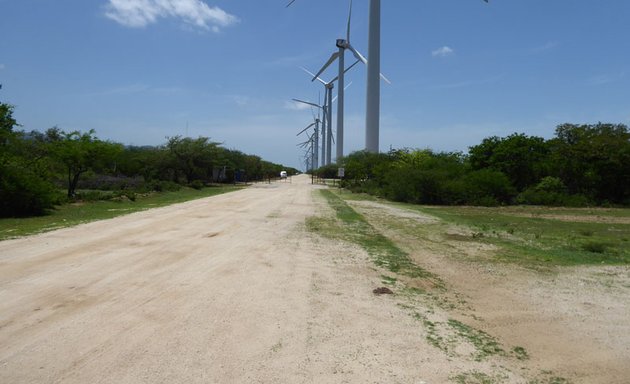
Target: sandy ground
[(233, 289)]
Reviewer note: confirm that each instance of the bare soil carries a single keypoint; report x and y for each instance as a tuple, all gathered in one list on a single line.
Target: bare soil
[(234, 289)]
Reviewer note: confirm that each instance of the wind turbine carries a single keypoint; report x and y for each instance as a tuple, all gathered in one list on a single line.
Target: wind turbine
[(324, 125), (313, 140), (327, 108), (309, 149), (342, 45), (373, 97)]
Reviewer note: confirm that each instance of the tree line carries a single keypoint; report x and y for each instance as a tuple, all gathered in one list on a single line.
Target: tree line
[(581, 165), (39, 170)]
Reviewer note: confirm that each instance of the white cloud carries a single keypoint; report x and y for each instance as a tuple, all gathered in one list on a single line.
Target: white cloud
[(140, 13), (2, 66), (443, 52)]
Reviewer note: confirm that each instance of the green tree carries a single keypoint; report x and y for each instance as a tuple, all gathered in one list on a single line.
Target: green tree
[(24, 189), (594, 160), (193, 157), (80, 152), (523, 159)]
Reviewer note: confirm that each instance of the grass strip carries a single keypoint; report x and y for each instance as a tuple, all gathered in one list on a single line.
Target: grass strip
[(541, 240), (358, 230), (84, 212)]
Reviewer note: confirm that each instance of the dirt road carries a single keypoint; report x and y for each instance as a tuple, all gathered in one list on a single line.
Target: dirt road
[(225, 289), (228, 289)]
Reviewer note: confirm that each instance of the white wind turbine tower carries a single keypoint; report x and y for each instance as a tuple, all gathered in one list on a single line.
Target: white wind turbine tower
[(327, 108), (309, 150), (373, 97), (342, 45), (313, 140), (325, 131)]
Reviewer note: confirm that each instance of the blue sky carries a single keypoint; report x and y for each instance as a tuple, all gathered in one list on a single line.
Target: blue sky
[(138, 71)]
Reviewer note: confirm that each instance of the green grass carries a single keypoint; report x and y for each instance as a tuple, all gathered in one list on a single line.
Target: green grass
[(78, 213), (524, 237), (476, 377), (484, 344), (357, 230)]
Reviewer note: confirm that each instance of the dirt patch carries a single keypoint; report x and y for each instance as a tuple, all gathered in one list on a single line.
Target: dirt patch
[(562, 324), (579, 218), (397, 212)]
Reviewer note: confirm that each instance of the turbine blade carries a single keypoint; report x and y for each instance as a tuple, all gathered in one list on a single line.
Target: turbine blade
[(306, 102), (349, 20), (313, 75), (302, 131), (357, 54), (288, 5), (361, 58), (346, 70), (344, 88), (333, 57)]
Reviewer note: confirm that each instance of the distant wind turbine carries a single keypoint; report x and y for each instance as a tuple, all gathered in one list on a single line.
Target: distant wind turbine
[(313, 140), (342, 45), (373, 97), (324, 126), (327, 134)]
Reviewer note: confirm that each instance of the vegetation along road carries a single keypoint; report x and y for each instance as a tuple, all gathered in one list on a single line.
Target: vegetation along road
[(274, 284)]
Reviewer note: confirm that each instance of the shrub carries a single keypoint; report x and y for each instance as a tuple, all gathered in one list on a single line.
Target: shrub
[(197, 184), (166, 186), (487, 187), (550, 191), (595, 247), (327, 171), (24, 193)]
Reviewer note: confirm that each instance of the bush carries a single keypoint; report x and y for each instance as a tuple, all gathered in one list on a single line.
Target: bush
[(487, 187), (197, 184), (110, 183), (165, 186), (550, 191), (24, 193), (327, 171), (595, 247)]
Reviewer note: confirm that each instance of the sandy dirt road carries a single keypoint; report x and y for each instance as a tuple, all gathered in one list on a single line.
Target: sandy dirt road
[(228, 289), (220, 290)]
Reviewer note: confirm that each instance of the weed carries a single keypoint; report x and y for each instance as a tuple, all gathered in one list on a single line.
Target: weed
[(412, 291), (520, 353), (432, 335), (595, 247), (476, 377), (485, 344), (549, 380), (382, 250), (388, 280), (586, 232)]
